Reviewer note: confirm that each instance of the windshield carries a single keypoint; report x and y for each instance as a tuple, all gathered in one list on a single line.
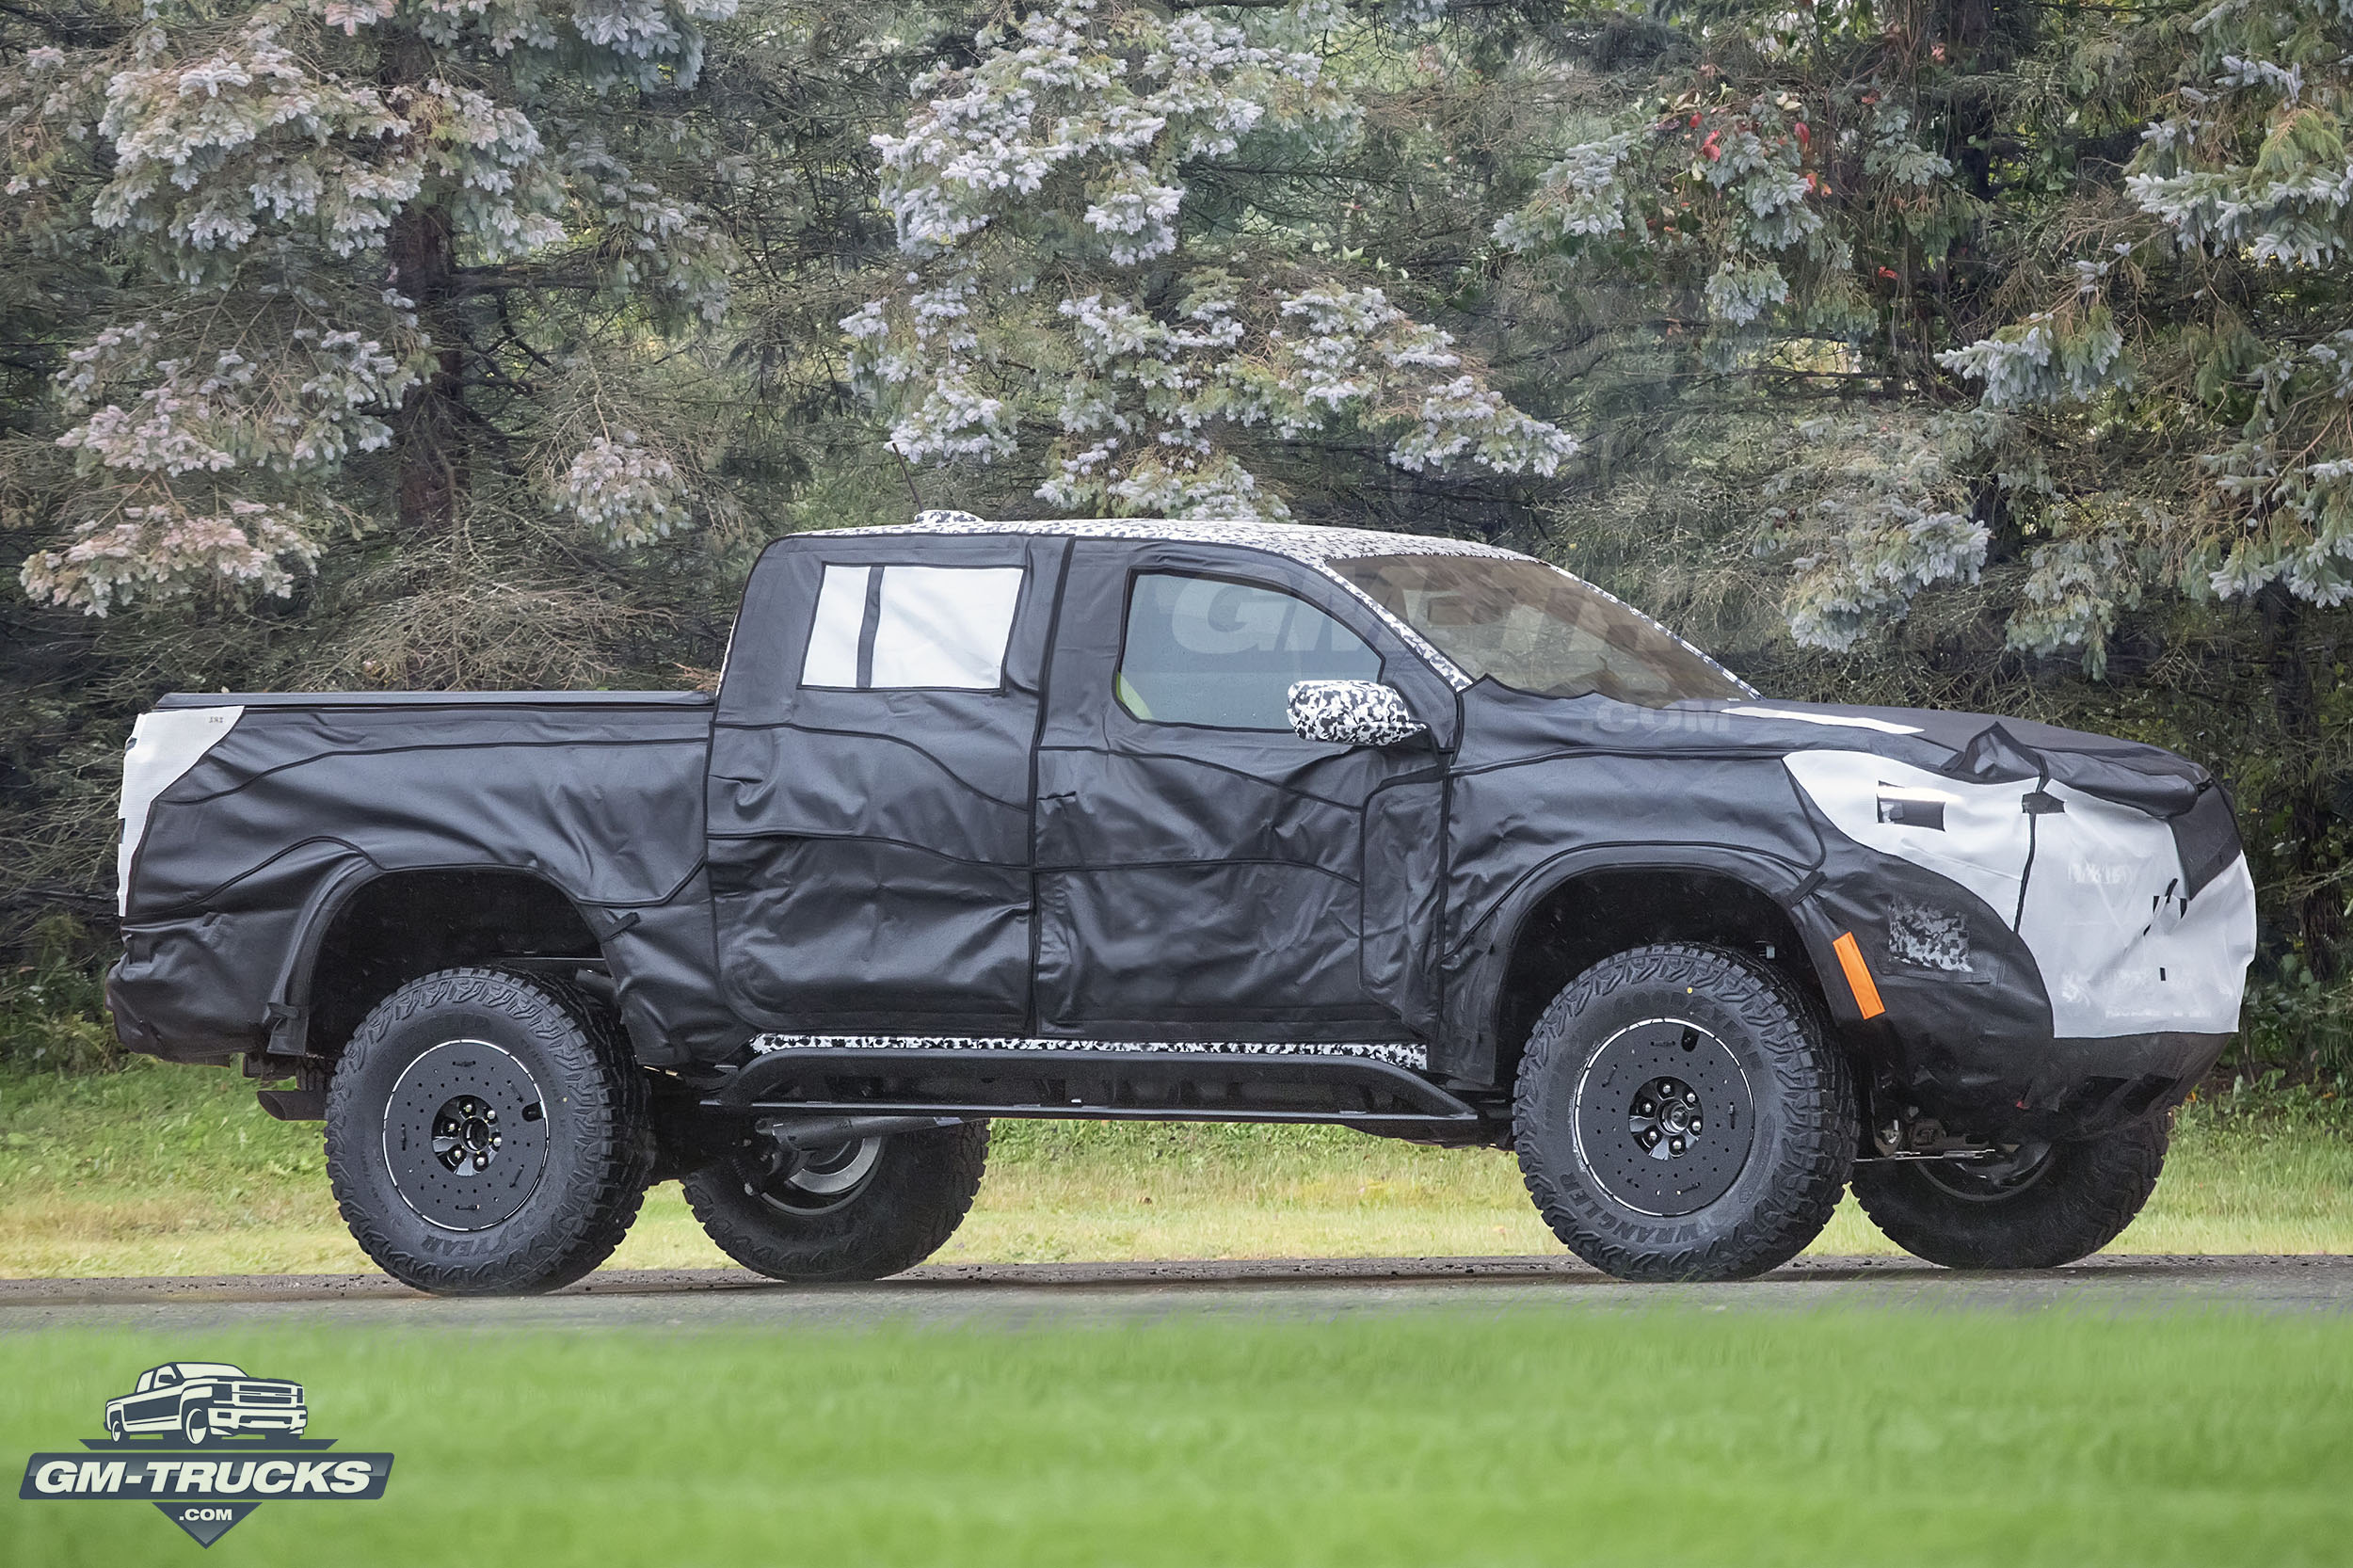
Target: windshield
[(192, 1370), (1538, 629)]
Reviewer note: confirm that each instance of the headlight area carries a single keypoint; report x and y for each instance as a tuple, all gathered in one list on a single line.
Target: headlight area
[(2046, 961), (1961, 1031)]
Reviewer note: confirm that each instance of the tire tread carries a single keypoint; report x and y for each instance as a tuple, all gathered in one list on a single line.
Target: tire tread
[(1813, 1076), (888, 1230), (595, 1215)]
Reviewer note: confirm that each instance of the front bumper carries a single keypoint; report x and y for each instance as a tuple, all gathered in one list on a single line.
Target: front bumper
[(1967, 1034), (237, 1418), (2053, 1089)]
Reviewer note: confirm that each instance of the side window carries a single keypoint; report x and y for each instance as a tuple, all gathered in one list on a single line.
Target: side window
[(166, 1377), (903, 627), (1205, 650)]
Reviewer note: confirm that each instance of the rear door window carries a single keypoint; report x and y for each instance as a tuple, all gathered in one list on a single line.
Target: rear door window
[(893, 628)]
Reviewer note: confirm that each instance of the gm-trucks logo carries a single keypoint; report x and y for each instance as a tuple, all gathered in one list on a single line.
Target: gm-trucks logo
[(208, 1445)]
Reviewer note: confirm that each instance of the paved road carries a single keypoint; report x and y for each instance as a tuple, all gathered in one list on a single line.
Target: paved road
[(1018, 1295)]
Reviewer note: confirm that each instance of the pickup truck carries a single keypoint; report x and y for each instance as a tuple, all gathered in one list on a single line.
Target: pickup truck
[(1182, 820), (198, 1400)]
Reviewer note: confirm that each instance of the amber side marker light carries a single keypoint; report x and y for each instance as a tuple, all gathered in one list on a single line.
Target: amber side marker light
[(1867, 991)]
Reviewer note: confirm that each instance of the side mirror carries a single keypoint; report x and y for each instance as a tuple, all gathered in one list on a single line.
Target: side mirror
[(1352, 713)]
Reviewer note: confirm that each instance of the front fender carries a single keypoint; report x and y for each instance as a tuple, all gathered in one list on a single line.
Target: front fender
[(1475, 967)]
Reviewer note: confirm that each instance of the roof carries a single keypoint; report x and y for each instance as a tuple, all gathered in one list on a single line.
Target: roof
[(1300, 541)]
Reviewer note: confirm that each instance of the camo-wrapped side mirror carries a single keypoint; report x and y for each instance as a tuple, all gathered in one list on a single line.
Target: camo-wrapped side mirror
[(1352, 713)]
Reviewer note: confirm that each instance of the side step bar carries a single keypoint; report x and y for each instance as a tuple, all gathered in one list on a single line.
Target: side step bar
[(1095, 1085)]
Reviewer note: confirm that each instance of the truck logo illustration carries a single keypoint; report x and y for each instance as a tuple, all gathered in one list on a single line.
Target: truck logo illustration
[(207, 1443), (199, 1400)]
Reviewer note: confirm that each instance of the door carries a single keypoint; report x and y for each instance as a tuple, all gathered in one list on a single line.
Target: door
[(869, 784), (158, 1408), (1203, 872)]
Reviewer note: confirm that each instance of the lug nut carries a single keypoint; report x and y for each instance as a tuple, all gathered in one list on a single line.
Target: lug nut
[(1675, 1147)]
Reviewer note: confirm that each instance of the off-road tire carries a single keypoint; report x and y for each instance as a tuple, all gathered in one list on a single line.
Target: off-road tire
[(2079, 1200), (598, 1137), (1802, 1134), (919, 1190)]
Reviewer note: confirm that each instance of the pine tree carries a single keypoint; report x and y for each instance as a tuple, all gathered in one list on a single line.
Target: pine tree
[(1061, 271), (324, 213)]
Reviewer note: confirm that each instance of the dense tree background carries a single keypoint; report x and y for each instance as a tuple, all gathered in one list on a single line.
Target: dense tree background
[(1979, 353)]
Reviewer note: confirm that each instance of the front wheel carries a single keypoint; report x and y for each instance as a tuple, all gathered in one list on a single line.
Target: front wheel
[(2035, 1208), (1681, 1114), (861, 1210), (196, 1425)]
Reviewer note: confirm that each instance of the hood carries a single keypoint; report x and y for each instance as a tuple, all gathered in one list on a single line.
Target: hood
[(1505, 726), (1984, 748)]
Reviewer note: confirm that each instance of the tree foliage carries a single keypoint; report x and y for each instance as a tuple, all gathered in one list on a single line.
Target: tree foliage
[(320, 194), (1054, 272)]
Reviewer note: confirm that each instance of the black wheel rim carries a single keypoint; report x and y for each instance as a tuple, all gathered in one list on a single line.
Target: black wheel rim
[(466, 1135), (818, 1181), (1663, 1117)]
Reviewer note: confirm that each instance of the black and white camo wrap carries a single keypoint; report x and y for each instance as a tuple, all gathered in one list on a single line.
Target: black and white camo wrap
[(1408, 1056), (1309, 542), (1351, 712)]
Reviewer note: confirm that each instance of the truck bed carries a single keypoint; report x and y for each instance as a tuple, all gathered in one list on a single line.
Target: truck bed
[(562, 816)]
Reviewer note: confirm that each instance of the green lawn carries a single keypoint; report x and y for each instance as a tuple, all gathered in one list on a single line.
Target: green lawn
[(173, 1170), (1562, 1434)]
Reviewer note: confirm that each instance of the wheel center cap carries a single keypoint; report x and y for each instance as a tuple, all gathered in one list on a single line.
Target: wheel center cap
[(465, 1135), (1666, 1117)]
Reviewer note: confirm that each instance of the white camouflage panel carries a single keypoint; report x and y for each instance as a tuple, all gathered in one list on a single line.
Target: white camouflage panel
[(2095, 889)]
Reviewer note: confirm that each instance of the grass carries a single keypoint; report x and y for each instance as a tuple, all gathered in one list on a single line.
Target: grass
[(1556, 1436), (159, 1170)]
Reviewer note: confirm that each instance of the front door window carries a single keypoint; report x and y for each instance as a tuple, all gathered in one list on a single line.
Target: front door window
[(1209, 650)]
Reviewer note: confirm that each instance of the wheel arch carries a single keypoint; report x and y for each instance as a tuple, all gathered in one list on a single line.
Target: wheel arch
[(369, 930), (1582, 907)]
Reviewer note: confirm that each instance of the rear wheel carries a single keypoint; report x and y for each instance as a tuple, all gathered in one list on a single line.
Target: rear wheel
[(2035, 1208), (488, 1133), (1681, 1114), (861, 1210)]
